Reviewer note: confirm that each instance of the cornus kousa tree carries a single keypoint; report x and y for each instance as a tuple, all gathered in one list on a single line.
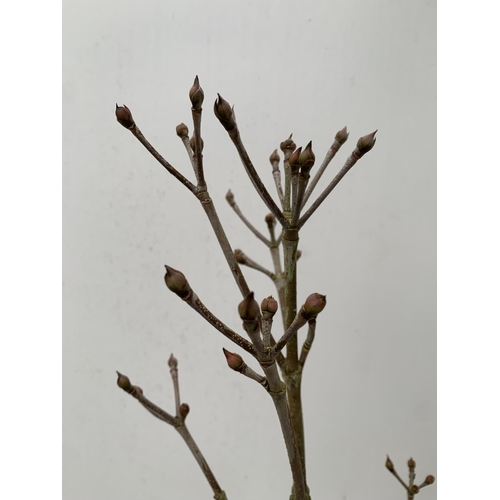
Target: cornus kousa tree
[(273, 344)]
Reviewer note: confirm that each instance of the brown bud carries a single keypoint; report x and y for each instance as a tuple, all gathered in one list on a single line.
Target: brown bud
[(294, 161), (340, 137), (365, 144), (274, 158), (411, 464), (241, 258), (172, 361), (124, 116), (313, 305), (306, 160), (192, 143), (248, 308), (177, 282), (298, 255), (288, 146), (181, 130), (224, 113), (196, 94), (234, 361), (414, 489), (124, 383), (269, 305), (230, 197), (389, 464), (270, 220), (184, 410), (429, 479)]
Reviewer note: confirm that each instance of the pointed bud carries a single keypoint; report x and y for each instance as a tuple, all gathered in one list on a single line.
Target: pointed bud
[(124, 383), (306, 160), (224, 113), (298, 255), (241, 258), (230, 197), (124, 116), (365, 144), (181, 130), (234, 361), (274, 158), (269, 306), (184, 410), (288, 146), (389, 464), (340, 137), (294, 161), (196, 94), (192, 143), (177, 282), (429, 479), (172, 361), (313, 305), (270, 220), (411, 464), (248, 308)]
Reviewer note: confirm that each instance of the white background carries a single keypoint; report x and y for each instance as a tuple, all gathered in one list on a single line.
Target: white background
[(369, 385)]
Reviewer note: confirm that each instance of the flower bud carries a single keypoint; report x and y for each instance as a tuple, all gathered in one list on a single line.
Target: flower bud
[(274, 158), (177, 282), (234, 361), (288, 146), (241, 258), (341, 136), (429, 479), (248, 308), (294, 161), (184, 410), (313, 305), (181, 130), (172, 361), (196, 95), (269, 305), (124, 116), (230, 197), (411, 464), (306, 160), (224, 113), (124, 383), (270, 220), (192, 143), (389, 464), (365, 144)]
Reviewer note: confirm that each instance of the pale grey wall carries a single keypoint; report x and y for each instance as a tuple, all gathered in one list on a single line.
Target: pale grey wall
[(307, 68)]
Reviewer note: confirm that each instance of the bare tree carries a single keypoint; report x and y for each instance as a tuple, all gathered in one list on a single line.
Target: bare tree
[(279, 355)]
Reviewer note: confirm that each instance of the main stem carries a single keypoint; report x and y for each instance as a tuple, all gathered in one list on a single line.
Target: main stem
[(292, 373)]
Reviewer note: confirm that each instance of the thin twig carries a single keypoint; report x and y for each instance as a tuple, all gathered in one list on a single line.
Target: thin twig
[(243, 259), (139, 135), (256, 180), (306, 346), (172, 362), (198, 152), (297, 323), (193, 300), (350, 162), (179, 424), (340, 138), (275, 162), (185, 141), (236, 208)]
